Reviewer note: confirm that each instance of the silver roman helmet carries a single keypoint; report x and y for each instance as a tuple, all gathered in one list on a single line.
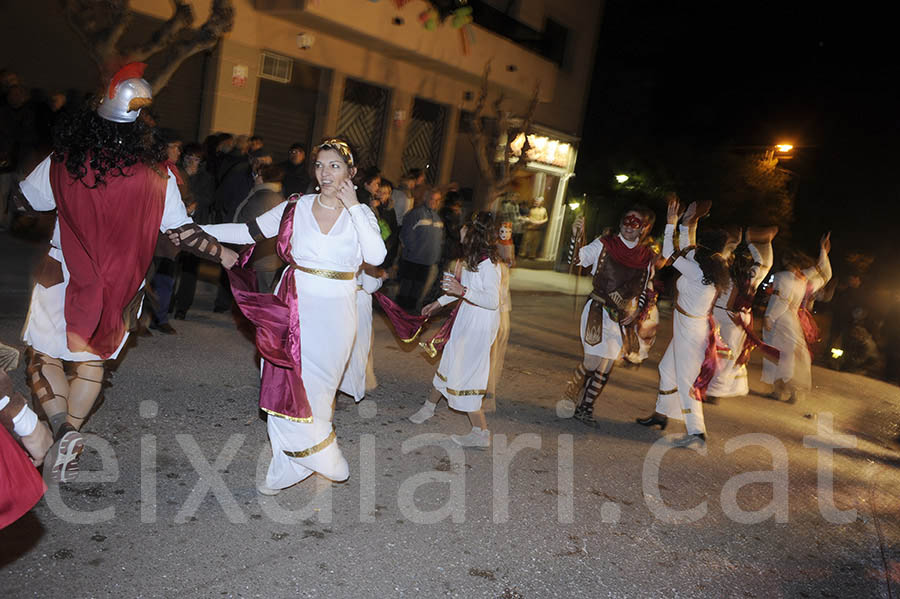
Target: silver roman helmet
[(128, 93)]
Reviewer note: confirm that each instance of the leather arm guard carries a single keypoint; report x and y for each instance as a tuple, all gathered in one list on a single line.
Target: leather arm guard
[(191, 238)]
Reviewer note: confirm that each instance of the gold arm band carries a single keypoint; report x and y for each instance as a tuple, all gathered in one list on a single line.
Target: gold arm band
[(668, 391), (314, 449)]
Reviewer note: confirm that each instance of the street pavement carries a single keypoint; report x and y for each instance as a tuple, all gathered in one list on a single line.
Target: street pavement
[(167, 507)]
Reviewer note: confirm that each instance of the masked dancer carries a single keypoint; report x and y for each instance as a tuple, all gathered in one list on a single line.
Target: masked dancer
[(622, 266)]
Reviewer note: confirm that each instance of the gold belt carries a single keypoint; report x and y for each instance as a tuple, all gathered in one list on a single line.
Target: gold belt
[(327, 274), (682, 310)]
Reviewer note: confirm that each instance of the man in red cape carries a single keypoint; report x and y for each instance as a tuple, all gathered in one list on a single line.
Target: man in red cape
[(114, 195), (622, 265)]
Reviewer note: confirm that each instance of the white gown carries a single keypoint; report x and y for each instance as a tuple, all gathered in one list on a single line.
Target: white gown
[(684, 356), (45, 325), (611, 344), (730, 380), (359, 376), (465, 366), (794, 365), (327, 311)]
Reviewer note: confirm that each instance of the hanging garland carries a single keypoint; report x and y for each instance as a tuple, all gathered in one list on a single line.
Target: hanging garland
[(438, 12)]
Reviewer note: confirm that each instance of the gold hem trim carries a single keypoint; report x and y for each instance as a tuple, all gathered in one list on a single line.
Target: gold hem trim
[(686, 411), (440, 376), (668, 391), (286, 417), (314, 449), (326, 274), (413, 338), (465, 392)]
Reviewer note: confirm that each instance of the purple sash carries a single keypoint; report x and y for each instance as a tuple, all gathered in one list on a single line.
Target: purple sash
[(277, 323)]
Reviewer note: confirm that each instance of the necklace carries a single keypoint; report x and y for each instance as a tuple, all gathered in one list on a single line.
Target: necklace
[(319, 201)]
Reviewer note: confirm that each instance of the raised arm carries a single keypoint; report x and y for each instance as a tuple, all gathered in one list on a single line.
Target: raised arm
[(820, 274)]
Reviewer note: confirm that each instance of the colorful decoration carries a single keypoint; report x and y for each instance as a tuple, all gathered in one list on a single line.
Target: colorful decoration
[(462, 17), (429, 19)]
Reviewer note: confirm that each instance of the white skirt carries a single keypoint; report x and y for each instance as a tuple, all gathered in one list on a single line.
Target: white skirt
[(327, 310), (45, 325), (610, 345), (794, 365), (730, 380), (359, 376), (465, 367)]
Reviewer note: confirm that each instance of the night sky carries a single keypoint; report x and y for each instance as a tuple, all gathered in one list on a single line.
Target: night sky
[(730, 74)]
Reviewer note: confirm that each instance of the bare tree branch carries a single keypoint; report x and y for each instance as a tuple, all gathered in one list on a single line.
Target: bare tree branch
[(220, 22), (167, 34)]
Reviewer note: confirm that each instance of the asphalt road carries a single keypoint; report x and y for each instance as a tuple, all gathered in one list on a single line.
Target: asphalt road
[(167, 505)]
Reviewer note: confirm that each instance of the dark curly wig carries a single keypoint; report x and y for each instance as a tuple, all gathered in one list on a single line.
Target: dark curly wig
[(710, 243), (83, 139), (480, 241)]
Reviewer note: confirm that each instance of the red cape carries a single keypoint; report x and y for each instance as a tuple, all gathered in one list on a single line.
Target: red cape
[(107, 236), (637, 257)]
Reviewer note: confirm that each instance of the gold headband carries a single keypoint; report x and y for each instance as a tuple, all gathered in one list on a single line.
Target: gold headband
[(338, 146)]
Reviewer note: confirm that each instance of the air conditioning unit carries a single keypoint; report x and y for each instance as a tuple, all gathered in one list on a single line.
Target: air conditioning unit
[(275, 67)]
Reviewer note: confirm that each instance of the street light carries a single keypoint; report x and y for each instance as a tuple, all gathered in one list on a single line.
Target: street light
[(784, 148), (621, 178)]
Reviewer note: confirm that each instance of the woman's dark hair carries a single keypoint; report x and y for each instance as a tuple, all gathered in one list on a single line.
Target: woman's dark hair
[(83, 139), (710, 243), (480, 241), (794, 259), (742, 263)]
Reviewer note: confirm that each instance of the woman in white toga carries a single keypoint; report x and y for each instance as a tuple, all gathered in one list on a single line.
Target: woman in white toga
[(324, 237)]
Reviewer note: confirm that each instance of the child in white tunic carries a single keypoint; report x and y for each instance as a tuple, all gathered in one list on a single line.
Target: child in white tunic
[(791, 374), (359, 376), (702, 273), (463, 372)]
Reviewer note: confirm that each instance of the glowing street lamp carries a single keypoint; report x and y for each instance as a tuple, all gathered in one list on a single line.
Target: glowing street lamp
[(621, 178), (784, 148)]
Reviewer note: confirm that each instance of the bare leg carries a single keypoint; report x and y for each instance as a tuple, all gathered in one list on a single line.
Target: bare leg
[(84, 390), (477, 419), (49, 387)]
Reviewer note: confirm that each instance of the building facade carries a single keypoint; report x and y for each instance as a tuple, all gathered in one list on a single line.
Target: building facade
[(297, 70)]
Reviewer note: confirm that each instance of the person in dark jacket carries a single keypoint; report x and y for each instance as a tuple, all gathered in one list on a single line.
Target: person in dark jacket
[(265, 195), (422, 236), (296, 175)]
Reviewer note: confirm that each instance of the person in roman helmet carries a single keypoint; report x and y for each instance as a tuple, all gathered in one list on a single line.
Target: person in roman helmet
[(113, 194), (622, 266)]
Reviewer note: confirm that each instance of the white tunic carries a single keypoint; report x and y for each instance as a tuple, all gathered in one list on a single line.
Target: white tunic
[(45, 325), (359, 376), (684, 356), (730, 380), (611, 344), (327, 310), (465, 366), (794, 364)]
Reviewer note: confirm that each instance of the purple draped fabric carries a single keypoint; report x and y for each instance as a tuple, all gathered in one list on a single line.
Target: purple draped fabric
[(277, 323), (405, 324), (752, 341), (710, 364)]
